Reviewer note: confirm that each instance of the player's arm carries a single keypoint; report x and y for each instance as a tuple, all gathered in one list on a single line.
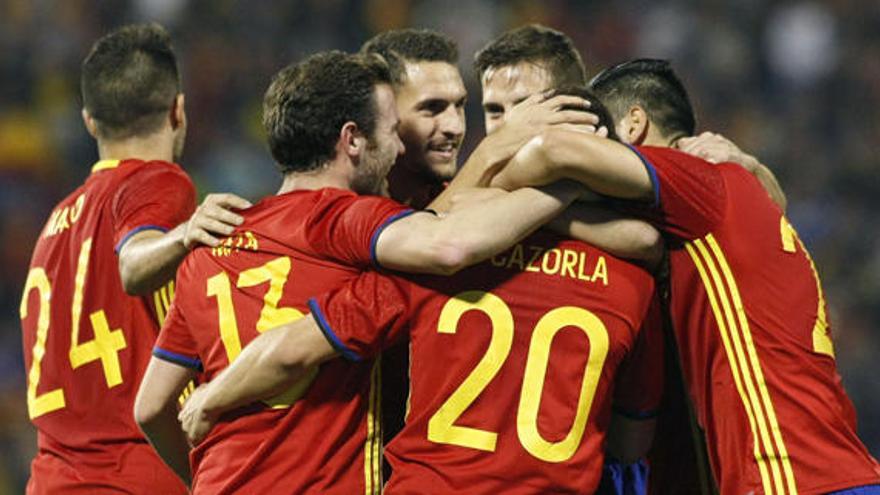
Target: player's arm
[(525, 121), (716, 148), (612, 231), (149, 258), (605, 166), (155, 411), (468, 234), (267, 366)]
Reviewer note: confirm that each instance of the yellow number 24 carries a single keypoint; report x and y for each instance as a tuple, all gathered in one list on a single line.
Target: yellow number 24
[(104, 347)]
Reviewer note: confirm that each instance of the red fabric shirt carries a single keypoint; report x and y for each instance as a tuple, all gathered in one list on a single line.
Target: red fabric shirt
[(86, 343), (753, 334), (512, 365), (325, 437)]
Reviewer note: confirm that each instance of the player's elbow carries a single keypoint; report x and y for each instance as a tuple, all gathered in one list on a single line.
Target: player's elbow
[(133, 281), (648, 242), (147, 411), (450, 256)]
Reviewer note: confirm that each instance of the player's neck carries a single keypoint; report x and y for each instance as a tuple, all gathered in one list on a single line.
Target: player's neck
[(411, 188), (154, 147), (326, 176)]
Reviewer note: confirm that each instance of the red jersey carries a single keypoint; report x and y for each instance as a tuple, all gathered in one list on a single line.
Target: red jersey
[(753, 333), (512, 365), (86, 342), (323, 436)]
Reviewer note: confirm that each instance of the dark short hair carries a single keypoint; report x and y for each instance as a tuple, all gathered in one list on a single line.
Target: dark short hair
[(536, 44), (596, 107), (130, 80), (653, 85), (399, 46), (308, 103)]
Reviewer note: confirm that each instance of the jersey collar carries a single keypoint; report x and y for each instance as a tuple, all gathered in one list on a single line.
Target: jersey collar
[(105, 165)]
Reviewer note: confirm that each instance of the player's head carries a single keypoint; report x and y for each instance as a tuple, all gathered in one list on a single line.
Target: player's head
[(330, 106), (647, 101), (131, 86), (430, 98), (522, 62)]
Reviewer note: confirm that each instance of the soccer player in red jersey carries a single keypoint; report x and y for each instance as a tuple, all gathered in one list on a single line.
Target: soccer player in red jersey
[(484, 346), (747, 305), (86, 343), (332, 123)]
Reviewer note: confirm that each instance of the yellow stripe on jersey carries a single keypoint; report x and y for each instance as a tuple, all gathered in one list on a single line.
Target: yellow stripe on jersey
[(757, 400), (162, 298), (725, 339), (756, 364), (373, 444)]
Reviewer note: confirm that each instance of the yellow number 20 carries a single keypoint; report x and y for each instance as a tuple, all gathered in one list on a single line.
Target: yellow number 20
[(105, 345), (442, 427)]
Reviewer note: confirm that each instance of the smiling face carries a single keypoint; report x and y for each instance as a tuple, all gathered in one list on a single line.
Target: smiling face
[(505, 86), (430, 103)]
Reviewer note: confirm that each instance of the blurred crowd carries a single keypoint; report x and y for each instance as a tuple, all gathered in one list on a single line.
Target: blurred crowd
[(797, 83)]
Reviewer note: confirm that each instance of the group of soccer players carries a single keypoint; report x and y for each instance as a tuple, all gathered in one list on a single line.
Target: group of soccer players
[(515, 295)]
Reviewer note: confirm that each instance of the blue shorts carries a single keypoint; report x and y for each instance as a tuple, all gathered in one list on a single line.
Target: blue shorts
[(859, 490)]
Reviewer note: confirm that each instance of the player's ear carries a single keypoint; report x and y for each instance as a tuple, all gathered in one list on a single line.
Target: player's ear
[(352, 140), (90, 124), (177, 113), (633, 128)]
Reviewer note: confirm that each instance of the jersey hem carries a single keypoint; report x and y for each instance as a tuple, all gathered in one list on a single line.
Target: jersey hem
[(652, 173), (374, 239), (329, 334), (178, 359), (134, 231)]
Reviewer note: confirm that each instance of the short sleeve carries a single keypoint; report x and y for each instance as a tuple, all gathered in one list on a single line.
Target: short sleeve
[(159, 196), (639, 384), (347, 227), (175, 343), (691, 196), (365, 315)]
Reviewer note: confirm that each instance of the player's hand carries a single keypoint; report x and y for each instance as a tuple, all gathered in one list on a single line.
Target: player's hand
[(195, 421), (214, 218), (715, 148)]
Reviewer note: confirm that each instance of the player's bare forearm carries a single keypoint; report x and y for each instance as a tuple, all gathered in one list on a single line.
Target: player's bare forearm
[(622, 236), (525, 121), (149, 259), (155, 411), (604, 166), (471, 233), (267, 366)]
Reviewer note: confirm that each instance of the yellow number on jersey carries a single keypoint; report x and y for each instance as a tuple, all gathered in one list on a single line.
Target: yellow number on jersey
[(821, 340), (276, 272), (442, 427), (105, 345)]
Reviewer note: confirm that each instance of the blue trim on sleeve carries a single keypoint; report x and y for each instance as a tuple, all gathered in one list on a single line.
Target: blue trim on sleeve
[(639, 415), (375, 238), (173, 357), (134, 231), (652, 172), (329, 334)]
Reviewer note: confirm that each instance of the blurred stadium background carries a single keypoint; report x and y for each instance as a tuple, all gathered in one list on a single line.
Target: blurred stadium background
[(795, 82)]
